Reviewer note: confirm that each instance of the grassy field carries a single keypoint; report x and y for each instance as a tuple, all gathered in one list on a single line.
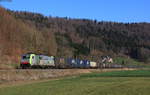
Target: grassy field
[(129, 62), (134, 73), (108, 83)]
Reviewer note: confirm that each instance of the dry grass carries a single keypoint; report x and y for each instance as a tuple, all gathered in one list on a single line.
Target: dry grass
[(9, 76)]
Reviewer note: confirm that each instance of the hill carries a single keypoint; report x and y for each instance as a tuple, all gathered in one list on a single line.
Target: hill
[(22, 32), (17, 37), (85, 38)]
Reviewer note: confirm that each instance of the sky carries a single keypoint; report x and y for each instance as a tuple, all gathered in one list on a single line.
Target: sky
[(101, 10)]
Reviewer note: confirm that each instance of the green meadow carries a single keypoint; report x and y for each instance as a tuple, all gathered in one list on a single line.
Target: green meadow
[(108, 83)]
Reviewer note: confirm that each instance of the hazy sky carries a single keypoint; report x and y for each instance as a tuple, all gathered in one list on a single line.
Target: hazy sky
[(106, 10)]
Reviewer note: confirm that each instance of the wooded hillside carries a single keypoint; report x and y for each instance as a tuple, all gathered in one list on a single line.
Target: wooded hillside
[(17, 38), (22, 32)]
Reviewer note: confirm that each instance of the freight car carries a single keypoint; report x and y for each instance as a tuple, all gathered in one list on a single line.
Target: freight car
[(31, 60)]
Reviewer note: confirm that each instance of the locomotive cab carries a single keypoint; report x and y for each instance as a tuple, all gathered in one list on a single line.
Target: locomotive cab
[(27, 60)]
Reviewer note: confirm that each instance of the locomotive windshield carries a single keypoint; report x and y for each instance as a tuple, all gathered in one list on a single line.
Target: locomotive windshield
[(25, 57)]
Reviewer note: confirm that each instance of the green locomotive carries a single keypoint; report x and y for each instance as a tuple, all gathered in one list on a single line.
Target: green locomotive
[(34, 60)]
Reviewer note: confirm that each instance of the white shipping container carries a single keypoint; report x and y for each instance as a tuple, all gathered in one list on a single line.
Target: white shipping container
[(93, 64)]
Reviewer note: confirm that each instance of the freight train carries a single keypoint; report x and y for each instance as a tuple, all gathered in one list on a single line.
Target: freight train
[(32, 60)]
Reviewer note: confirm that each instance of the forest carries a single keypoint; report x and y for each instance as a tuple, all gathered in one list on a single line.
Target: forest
[(71, 37)]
